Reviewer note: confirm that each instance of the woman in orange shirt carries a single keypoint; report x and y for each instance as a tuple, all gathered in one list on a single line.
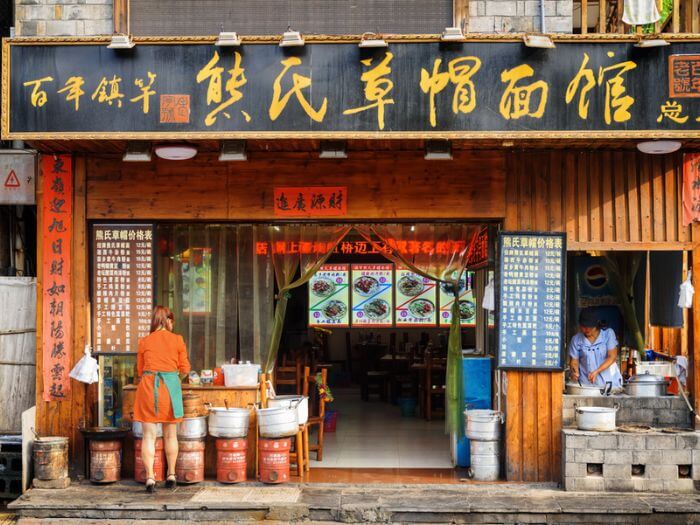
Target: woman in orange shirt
[(161, 360)]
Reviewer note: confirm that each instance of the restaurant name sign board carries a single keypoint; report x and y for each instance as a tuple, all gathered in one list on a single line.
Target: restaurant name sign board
[(471, 89), (530, 299)]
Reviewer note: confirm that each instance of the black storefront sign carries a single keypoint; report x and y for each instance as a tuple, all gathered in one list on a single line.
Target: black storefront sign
[(530, 300), (471, 89)]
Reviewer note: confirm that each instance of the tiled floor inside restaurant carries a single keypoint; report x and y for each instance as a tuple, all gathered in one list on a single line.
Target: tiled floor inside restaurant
[(374, 435)]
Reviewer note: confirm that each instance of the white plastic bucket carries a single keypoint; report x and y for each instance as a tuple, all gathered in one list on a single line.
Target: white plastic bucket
[(241, 375)]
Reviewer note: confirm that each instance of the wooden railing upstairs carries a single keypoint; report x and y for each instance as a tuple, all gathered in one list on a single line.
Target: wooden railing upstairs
[(605, 17)]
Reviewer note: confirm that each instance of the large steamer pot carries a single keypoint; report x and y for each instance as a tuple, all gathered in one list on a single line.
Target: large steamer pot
[(646, 385), (192, 428), (600, 419), (577, 389), (299, 403), (228, 423), (482, 425), (277, 422), (137, 429)]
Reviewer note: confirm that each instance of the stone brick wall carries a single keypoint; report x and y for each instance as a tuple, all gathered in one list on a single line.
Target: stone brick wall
[(63, 17), (660, 412), (626, 462), (505, 16)]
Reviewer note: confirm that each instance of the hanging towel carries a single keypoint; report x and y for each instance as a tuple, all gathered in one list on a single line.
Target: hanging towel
[(666, 273), (640, 12), (489, 302)]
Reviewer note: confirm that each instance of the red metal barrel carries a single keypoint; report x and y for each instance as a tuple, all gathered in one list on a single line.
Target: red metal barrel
[(231, 460), (190, 461), (274, 460), (105, 461), (158, 463)]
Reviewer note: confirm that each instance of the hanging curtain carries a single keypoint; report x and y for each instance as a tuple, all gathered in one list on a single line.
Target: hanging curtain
[(439, 252), (296, 248)]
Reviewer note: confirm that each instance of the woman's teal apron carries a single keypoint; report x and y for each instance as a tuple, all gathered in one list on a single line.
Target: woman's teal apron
[(172, 383)]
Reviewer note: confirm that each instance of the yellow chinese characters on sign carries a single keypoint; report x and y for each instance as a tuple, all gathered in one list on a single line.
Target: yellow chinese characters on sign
[(146, 91), (108, 91), (518, 100), (377, 86), (299, 83), (74, 90), (672, 111), (39, 96), (236, 80), (459, 72)]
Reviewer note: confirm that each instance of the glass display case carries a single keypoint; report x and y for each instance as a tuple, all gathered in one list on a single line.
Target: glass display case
[(116, 371)]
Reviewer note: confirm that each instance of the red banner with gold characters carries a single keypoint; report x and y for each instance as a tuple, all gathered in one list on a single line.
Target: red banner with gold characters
[(691, 188), (312, 201), (56, 233)]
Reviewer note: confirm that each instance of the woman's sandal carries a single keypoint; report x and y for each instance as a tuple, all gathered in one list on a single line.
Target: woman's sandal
[(150, 487), (171, 482)]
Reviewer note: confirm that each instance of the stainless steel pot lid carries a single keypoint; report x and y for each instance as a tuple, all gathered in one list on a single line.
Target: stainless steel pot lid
[(647, 379)]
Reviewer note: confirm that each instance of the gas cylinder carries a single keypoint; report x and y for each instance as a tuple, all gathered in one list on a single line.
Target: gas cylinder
[(190, 461), (274, 460), (105, 461), (158, 462), (231, 460)]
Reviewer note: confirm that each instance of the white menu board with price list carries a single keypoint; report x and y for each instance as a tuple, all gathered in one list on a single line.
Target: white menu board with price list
[(416, 299), (372, 297), (122, 285), (531, 299), (329, 296)]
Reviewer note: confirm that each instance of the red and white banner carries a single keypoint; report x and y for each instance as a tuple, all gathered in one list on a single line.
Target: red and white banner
[(691, 188), (56, 234)]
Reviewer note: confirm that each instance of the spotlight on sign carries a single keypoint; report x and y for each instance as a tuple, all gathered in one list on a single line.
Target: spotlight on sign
[(228, 39), (452, 34), (372, 40), (538, 41), (659, 147), (121, 41), (652, 42), (137, 151), (333, 149), (233, 150), (438, 150), (291, 38)]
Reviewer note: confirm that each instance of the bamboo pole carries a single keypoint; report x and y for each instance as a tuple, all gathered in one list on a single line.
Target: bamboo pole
[(584, 17), (603, 16)]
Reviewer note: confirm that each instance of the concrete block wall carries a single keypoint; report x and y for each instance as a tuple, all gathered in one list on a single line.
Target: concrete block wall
[(660, 412), (626, 462), (505, 16), (63, 17)]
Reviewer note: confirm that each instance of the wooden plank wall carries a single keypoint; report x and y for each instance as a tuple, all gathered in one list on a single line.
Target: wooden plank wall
[(603, 200), (381, 185)]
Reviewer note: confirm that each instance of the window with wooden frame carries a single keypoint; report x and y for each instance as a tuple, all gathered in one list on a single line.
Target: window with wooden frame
[(271, 17)]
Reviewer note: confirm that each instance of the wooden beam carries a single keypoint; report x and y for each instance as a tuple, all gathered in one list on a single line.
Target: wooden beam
[(676, 27), (460, 14), (584, 17), (602, 16), (121, 16)]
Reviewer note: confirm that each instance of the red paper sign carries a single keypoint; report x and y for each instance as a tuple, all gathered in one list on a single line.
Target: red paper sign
[(57, 217), (313, 201), (691, 188)]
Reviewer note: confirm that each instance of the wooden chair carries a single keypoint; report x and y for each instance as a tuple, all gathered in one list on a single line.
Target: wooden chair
[(289, 375), (433, 384), (317, 412)]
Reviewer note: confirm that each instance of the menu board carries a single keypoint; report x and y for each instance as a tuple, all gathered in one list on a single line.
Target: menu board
[(122, 285), (372, 296), (467, 303), (530, 298), (416, 299), (329, 296)]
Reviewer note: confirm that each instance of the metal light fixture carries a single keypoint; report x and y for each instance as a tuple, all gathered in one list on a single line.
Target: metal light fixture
[(227, 39), (372, 40), (452, 34), (137, 151), (652, 42), (333, 149), (438, 150), (291, 38), (121, 41), (659, 147), (175, 151), (233, 150), (538, 41)]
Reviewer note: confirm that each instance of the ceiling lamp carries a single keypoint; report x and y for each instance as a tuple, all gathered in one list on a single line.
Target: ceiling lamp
[(227, 39), (652, 42), (175, 151), (333, 149), (137, 151), (233, 150), (538, 41), (438, 150), (121, 41), (452, 34), (659, 147), (373, 40), (291, 38)]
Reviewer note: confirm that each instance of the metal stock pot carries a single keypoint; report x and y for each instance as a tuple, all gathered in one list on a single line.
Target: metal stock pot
[(228, 423), (277, 422), (577, 389), (192, 428), (646, 385), (137, 429), (601, 419), (299, 403)]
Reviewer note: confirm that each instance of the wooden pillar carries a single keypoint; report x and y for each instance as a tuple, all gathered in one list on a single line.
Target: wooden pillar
[(120, 15), (694, 334), (460, 14)]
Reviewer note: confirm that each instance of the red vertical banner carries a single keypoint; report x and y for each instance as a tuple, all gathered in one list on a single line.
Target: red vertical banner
[(56, 234), (691, 187)]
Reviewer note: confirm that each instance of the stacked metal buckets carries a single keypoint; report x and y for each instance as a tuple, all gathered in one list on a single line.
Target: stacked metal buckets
[(483, 429)]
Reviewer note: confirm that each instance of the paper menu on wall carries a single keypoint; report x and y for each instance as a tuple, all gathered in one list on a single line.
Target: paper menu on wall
[(416, 299), (329, 296), (372, 295), (467, 303)]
